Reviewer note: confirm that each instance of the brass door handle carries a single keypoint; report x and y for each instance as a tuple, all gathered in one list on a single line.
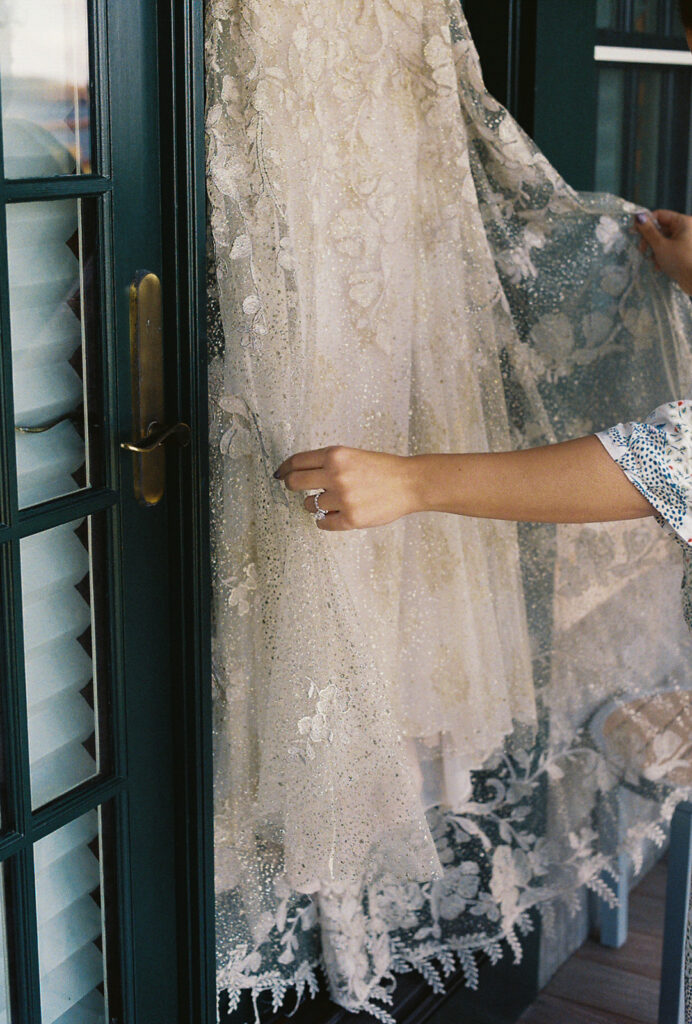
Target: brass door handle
[(148, 400), (158, 435)]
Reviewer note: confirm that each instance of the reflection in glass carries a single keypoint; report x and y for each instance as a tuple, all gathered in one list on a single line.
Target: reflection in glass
[(64, 637), (44, 53), (645, 15), (607, 14), (69, 908), (643, 134), (647, 135), (609, 130), (52, 258)]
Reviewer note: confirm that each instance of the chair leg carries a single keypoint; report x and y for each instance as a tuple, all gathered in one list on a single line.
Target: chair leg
[(615, 920), (672, 1003)]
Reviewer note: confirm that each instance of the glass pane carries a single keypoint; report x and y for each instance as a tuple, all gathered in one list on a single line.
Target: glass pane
[(647, 134), (5, 1012), (650, 17), (52, 253), (70, 909), (643, 135), (44, 49), (609, 131), (646, 15), (607, 14), (63, 570)]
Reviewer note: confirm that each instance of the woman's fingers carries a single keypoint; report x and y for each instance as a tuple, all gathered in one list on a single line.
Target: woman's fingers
[(306, 480), (649, 230), (336, 522), (301, 461), (669, 220)]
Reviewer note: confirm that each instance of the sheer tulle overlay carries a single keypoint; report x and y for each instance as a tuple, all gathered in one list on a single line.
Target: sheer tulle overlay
[(406, 758)]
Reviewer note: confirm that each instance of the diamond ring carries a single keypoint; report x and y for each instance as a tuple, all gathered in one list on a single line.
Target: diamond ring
[(319, 513)]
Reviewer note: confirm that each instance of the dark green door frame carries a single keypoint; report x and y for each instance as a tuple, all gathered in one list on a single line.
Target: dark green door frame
[(565, 89), (538, 60), (150, 193), (134, 775), (504, 32), (181, 46)]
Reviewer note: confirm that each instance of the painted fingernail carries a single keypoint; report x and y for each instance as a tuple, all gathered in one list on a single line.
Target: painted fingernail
[(641, 218), (277, 475)]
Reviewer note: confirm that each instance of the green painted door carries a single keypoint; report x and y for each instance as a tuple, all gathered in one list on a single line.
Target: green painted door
[(603, 86), (612, 108), (88, 918)]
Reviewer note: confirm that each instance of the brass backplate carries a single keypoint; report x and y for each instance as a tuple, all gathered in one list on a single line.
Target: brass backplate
[(146, 354)]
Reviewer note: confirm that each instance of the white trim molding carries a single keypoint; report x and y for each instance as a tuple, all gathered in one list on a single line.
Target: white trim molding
[(642, 55)]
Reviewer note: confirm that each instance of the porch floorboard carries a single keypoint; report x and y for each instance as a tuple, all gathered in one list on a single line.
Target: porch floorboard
[(612, 986)]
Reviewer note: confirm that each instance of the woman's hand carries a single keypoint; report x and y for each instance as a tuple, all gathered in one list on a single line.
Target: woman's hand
[(669, 236), (361, 489), (573, 482)]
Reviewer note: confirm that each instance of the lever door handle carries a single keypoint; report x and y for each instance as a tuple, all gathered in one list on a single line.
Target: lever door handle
[(158, 435), (148, 400)]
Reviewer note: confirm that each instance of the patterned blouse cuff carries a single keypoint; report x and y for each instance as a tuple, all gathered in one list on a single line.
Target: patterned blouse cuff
[(647, 454)]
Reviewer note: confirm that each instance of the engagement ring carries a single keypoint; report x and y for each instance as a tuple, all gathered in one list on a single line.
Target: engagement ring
[(319, 513)]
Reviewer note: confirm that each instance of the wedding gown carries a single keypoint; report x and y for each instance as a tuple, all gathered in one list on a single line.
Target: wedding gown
[(398, 269), (360, 317)]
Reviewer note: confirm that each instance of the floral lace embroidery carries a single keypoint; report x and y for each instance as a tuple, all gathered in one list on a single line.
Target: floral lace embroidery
[(480, 302)]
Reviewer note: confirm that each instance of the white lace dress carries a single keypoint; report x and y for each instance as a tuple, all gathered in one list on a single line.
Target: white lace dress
[(400, 771)]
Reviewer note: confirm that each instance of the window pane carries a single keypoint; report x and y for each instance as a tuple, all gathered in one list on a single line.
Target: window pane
[(609, 131), (647, 15), (70, 908), (607, 14), (648, 113), (64, 640), (644, 17), (45, 87), (52, 253), (643, 134)]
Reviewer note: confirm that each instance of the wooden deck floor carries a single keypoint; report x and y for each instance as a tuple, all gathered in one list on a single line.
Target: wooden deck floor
[(612, 986)]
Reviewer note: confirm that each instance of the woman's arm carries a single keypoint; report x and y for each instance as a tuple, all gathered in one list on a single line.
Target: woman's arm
[(574, 482)]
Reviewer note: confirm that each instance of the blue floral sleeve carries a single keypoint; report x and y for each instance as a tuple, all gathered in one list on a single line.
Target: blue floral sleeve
[(656, 456)]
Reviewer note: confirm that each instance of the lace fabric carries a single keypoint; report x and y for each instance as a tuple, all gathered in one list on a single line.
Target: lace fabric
[(409, 751)]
